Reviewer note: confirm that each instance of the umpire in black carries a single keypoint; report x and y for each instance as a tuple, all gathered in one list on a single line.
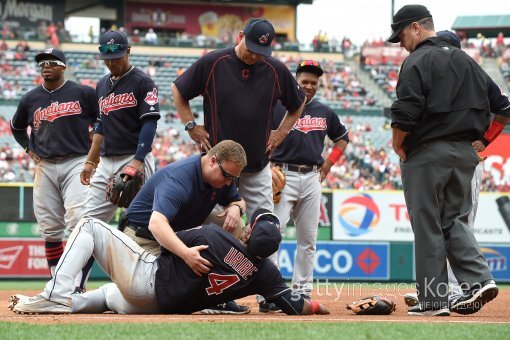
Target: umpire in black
[(441, 108)]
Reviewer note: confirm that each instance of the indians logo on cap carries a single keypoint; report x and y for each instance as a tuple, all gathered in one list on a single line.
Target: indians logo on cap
[(111, 42), (49, 50), (264, 39)]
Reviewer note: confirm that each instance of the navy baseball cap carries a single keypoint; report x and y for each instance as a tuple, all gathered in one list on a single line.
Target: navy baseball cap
[(310, 66), (259, 34), (53, 52), (113, 45), (265, 235), (449, 36), (405, 16)]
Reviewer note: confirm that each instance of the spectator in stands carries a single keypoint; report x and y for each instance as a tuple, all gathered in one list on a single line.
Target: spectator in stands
[(151, 38), (4, 46)]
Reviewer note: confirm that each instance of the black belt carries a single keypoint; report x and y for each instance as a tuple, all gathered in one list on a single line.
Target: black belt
[(302, 169), (141, 232)]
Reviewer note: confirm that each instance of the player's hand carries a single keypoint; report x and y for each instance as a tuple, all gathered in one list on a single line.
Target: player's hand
[(86, 174), (232, 217), (399, 150), (323, 310), (275, 138), (201, 137), (326, 166), (135, 164), (478, 145), (197, 263), (34, 157)]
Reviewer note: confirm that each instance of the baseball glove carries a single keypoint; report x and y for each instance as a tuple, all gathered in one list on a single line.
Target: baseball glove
[(121, 192), (279, 181), (373, 305)]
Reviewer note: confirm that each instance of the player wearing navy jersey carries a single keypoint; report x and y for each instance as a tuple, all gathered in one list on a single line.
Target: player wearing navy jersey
[(128, 115), (240, 86), (59, 113), (300, 158), (166, 284)]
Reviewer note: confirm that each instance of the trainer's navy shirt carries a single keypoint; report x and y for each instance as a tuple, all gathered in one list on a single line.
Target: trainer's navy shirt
[(122, 106), (239, 99), (235, 273), (178, 191), (59, 119), (305, 142)]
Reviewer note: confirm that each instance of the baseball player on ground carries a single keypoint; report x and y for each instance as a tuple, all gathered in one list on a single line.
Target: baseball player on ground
[(59, 113), (128, 115), (181, 196), (500, 106), (300, 158), (166, 284), (240, 86)]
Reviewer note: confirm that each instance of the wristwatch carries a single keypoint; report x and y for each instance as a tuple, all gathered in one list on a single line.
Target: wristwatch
[(190, 125)]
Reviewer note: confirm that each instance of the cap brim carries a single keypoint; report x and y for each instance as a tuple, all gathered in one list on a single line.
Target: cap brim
[(394, 38), (40, 57), (257, 49), (108, 56), (259, 212)]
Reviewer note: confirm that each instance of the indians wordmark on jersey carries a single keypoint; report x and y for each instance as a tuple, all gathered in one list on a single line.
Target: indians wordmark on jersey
[(308, 123), (115, 102), (56, 110)]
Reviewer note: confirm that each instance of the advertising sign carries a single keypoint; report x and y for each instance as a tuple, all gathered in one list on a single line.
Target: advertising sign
[(341, 261)]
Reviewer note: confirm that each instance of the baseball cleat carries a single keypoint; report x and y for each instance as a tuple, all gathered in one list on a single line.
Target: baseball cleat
[(269, 307), (417, 310), (474, 299), (40, 305), (230, 307), (15, 299)]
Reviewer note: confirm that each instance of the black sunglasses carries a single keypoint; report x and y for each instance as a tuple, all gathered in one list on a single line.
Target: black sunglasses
[(50, 63), (226, 174), (112, 48)]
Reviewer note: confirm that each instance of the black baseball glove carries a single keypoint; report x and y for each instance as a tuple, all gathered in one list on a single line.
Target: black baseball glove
[(122, 187), (373, 305)]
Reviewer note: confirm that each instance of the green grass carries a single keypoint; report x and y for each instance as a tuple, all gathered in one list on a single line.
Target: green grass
[(38, 285), (266, 330)]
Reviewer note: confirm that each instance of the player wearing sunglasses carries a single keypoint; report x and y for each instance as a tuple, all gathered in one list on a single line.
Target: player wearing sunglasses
[(59, 112)]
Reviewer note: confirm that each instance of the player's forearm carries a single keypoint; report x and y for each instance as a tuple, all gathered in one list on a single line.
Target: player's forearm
[(95, 149), (21, 137), (165, 235), (398, 137), (290, 119), (182, 106)]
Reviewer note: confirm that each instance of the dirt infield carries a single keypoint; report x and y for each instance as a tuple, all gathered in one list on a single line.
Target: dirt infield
[(496, 311)]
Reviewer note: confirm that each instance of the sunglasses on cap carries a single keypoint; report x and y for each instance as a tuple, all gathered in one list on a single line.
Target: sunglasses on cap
[(50, 63), (226, 174), (309, 63), (112, 48)]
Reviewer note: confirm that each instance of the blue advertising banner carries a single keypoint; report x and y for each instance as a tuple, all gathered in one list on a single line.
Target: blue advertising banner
[(342, 260), (497, 258)]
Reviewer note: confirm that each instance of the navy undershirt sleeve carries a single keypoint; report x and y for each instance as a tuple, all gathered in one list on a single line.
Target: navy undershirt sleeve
[(290, 304), (145, 139)]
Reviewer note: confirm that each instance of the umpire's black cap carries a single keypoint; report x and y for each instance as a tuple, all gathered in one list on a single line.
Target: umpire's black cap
[(53, 52), (113, 45), (265, 235), (405, 16), (259, 34)]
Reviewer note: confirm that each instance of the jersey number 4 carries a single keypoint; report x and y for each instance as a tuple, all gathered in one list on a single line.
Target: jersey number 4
[(218, 283)]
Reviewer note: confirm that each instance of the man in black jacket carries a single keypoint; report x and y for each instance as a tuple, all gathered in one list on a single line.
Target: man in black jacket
[(441, 108)]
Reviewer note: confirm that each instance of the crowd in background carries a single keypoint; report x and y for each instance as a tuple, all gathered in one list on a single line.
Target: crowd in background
[(363, 167)]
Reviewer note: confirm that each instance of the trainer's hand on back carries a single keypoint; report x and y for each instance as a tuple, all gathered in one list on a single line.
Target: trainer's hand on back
[(201, 137), (197, 263)]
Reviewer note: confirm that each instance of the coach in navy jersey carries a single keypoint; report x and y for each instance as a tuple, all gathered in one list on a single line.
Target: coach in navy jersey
[(300, 158), (128, 115), (240, 86), (60, 113), (166, 284)]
